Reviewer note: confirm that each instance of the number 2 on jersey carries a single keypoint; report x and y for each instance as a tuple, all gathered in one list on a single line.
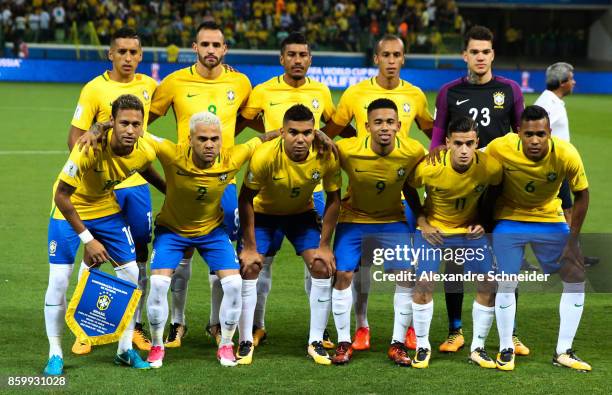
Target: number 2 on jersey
[(485, 114)]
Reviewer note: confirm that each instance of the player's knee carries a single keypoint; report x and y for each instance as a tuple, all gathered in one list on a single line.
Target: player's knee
[(59, 279), (343, 280), (318, 269), (572, 273)]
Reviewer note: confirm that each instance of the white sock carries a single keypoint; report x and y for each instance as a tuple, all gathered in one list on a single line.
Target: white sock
[(307, 281), (482, 318), (157, 308), (216, 294), (570, 312), (320, 304), (505, 310), (249, 300), (55, 306), (402, 307), (142, 285), (421, 318), (127, 272), (264, 285), (231, 306), (341, 306), (82, 268), (361, 290), (179, 284)]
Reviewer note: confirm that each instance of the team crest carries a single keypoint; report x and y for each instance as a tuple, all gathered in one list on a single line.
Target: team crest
[(479, 188), (103, 302), (551, 177), (315, 175), (498, 99), (231, 95), (401, 172), (52, 247), (315, 104), (223, 177), (145, 94), (406, 108)]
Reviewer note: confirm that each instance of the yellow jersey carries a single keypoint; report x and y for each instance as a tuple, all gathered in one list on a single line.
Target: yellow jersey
[(192, 206), (285, 187), (189, 93), (374, 192), (451, 203), (95, 104), (274, 97), (95, 176), (530, 188), (410, 100)]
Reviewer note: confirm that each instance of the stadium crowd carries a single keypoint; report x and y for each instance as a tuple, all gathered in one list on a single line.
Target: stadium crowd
[(342, 25)]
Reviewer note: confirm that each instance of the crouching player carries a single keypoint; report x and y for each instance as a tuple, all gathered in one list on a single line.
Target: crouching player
[(377, 165), (277, 195), (529, 212), (86, 210), (448, 226), (197, 173)]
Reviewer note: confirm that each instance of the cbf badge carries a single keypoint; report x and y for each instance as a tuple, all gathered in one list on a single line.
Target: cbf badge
[(101, 307)]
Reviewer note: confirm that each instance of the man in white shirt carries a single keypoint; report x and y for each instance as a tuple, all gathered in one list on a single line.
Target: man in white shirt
[(560, 83)]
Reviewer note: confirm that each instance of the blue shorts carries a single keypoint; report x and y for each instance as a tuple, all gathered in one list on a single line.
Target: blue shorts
[(547, 239), (135, 203), (215, 248), (355, 243), (229, 204), (473, 254), (318, 199), (303, 231), (111, 231), (410, 218)]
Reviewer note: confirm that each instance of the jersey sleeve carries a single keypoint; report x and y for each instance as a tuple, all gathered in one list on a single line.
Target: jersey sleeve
[(86, 108), (78, 163), (243, 152), (423, 117), (517, 108), (256, 173), (344, 113), (254, 104), (245, 90), (495, 170), (575, 173), (440, 119), (332, 180), (163, 97), (416, 177), (165, 150), (328, 105)]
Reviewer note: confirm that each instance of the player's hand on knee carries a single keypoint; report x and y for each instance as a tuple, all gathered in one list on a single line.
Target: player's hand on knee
[(475, 231), (432, 234), (326, 256), (572, 256), (97, 252), (250, 261), (435, 155)]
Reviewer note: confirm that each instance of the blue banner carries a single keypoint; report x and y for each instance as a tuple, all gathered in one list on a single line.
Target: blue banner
[(101, 307), (35, 70)]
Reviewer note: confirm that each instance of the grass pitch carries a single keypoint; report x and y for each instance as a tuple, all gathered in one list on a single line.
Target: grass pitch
[(35, 119)]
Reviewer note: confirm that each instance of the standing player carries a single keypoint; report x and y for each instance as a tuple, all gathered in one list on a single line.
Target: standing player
[(277, 194), (197, 173), (450, 221), (496, 104), (133, 194), (377, 164), (528, 211), (271, 100), (412, 106), (86, 210), (207, 85)]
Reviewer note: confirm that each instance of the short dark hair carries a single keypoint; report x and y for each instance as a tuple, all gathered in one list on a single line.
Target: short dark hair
[(534, 113), (208, 25), (462, 125), (298, 112), (127, 102), (477, 32), (387, 37), (382, 103), (125, 32), (294, 38)]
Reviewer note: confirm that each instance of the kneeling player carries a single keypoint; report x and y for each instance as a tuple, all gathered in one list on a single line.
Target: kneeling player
[(448, 226), (197, 173), (377, 165), (86, 209), (277, 195), (529, 212)]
